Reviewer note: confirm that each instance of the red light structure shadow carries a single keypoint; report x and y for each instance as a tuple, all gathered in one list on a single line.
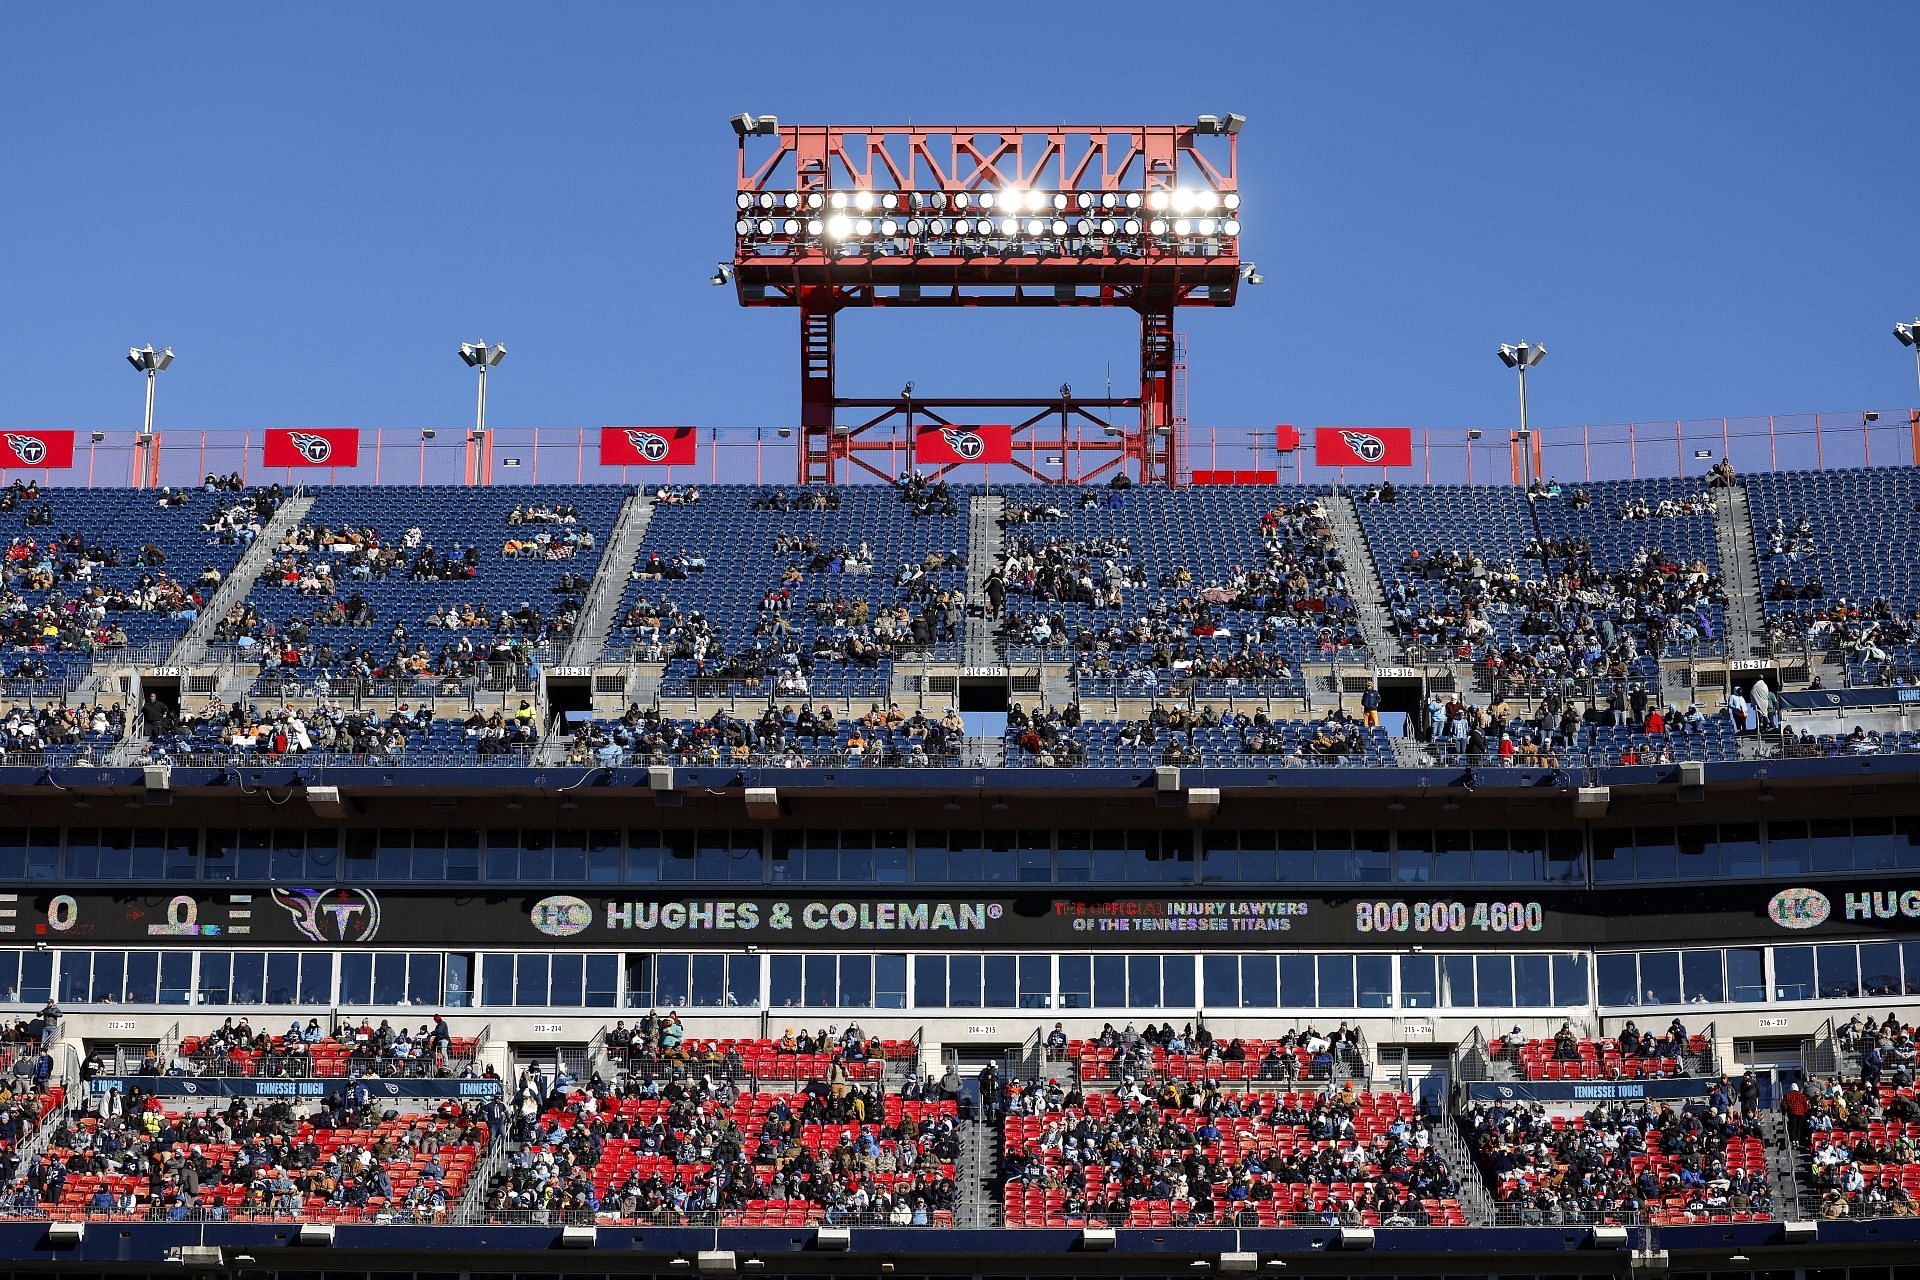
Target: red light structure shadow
[(830, 217)]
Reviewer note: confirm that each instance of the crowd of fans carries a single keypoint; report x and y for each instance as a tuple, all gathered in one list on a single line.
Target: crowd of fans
[(782, 735), (1623, 1161), (1201, 1156), (694, 1149), (29, 730), (237, 729)]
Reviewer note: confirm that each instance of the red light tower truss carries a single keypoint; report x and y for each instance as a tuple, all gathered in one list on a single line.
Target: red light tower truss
[(829, 217)]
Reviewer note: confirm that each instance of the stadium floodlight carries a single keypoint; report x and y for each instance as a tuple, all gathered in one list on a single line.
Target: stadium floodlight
[(482, 356), (839, 226), (1524, 356), (721, 274), (1909, 335), (746, 125), (1250, 272), (1233, 123), (149, 362), (1231, 227)]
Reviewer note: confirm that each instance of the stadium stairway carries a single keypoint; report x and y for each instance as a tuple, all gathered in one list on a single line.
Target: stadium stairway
[(1363, 579), (1783, 1167), (1739, 568), (610, 583), (976, 1175), (1475, 1197), (985, 543), (192, 647)]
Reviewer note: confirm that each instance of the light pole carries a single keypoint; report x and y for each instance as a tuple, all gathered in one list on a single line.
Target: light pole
[(479, 355), (149, 362), (1909, 335), (1524, 356)]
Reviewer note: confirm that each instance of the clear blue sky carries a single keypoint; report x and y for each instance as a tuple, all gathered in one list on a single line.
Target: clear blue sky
[(1700, 209)]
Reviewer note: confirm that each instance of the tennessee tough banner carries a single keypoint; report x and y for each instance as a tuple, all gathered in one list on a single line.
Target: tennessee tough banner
[(1363, 446), (964, 444), (648, 446), (38, 449), (314, 447)]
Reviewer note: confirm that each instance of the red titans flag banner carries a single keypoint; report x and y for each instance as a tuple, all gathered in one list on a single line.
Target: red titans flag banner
[(648, 446), (41, 450), (964, 444), (311, 447), (1363, 446)]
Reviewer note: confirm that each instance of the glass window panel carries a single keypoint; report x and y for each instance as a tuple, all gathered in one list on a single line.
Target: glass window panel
[(182, 854), (1906, 842), (393, 855), (1700, 979), (216, 972), (1419, 982), (143, 977), (503, 855), (1219, 855), (998, 861), (292, 856), (1332, 856), (1453, 856), (1570, 980), (423, 977), (671, 974), (109, 976), (930, 982), (1619, 974), (283, 977), (249, 977), (459, 980), (568, 981), (1660, 977), (1527, 863), (708, 976), (1493, 975), (570, 855), (603, 858), (890, 857), (1747, 974), (1879, 968), (43, 857), (1258, 988), (1001, 977), (148, 860), (1335, 975), (1109, 982), (1296, 981), (1076, 982), (890, 981), (644, 855), (390, 979), (1075, 858), (783, 973), (1220, 981), (1490, 862), (820, 857), (1373, 980), (856, 982), (1830, 844), (536, 856), (530, 980), (1566, 858), (1787, 849), (1456, 982), (359, 864), (1656, 857), (743, 980), (1414, 858), (1143, 981), (1699, 853), (856, 857), (1176, 983), (1143, 855), (964, 864), (356, 978), (1910, 966), (1532, 981), (1036, 982), (1372, 859), (13, 855), (1793, 973), (1740, 853), (677, 856), (176, 977), (496, 980), (603, 981), (1612, 856), (1035, 857), (963, 981), (1874, 845), (1839, 970)]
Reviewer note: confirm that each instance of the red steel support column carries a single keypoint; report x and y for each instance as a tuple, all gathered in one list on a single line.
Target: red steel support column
[(1157, 448), (817, 445)]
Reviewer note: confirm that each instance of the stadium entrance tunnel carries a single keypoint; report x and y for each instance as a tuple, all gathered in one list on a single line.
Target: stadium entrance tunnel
[(1402, 694), (984, 693), (569, 698)]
